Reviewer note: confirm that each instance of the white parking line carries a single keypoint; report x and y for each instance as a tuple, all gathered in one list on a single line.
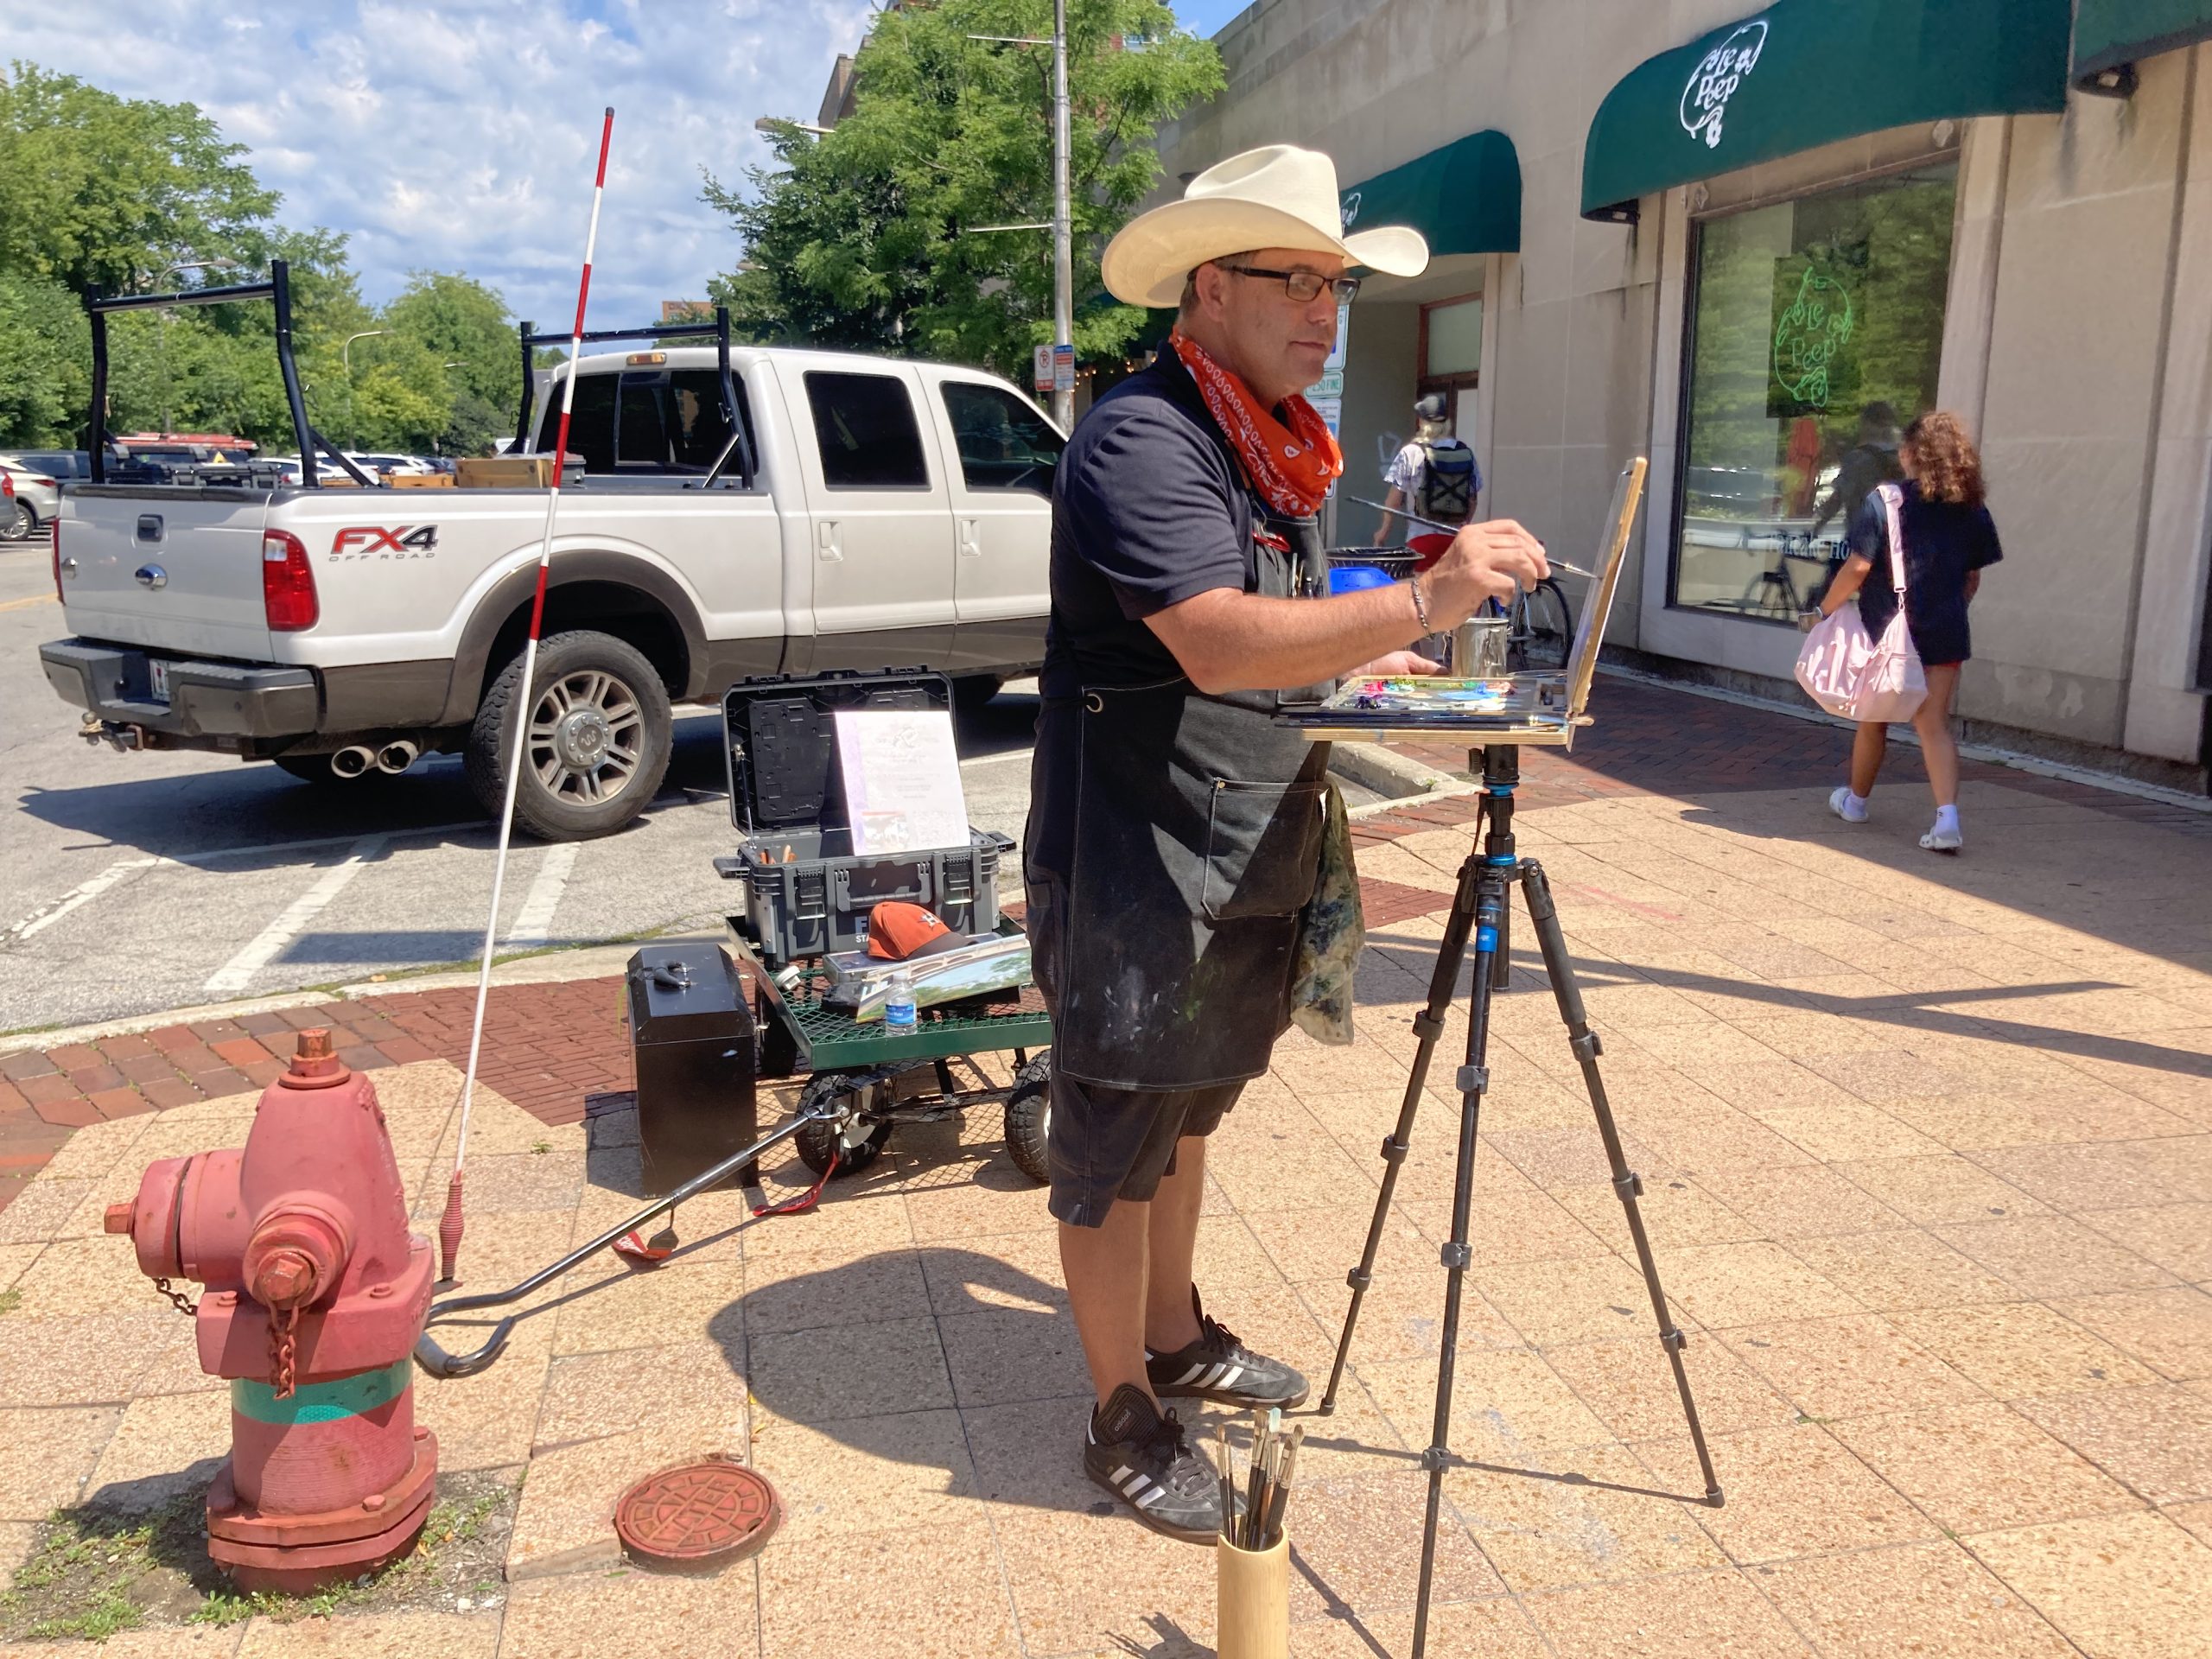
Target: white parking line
[(38, 920), (237, 973), (536, 920), (323, 840)]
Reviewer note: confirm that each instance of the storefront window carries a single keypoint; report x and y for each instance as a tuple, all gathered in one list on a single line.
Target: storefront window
[(1451, 358), (1816, 332), (1453, 334)]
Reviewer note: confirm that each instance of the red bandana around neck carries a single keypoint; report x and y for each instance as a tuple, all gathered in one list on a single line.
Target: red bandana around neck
[(1292, 466)]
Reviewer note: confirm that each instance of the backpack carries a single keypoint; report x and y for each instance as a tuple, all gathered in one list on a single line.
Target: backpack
[(1447, 481)]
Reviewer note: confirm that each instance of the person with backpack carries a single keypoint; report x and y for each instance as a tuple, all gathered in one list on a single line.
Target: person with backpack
[(1435, 475), (1949, 540)]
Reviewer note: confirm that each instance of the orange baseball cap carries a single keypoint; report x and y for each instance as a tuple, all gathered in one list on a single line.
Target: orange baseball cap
[(897, 931)]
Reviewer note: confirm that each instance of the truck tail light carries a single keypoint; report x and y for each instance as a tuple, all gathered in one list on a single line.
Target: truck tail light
[(287, 583), (53, 537)]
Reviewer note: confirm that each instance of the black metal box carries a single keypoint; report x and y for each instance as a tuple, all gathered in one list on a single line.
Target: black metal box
[(694, 1042), (806, 892)]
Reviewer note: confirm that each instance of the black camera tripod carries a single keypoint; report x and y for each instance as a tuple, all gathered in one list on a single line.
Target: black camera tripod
[(1483, 905)]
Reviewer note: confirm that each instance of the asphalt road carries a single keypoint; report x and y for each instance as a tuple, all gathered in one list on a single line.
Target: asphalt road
[(133, 883)]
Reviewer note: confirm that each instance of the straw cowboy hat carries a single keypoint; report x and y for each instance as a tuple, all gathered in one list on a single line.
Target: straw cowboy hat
[(1278, 196)]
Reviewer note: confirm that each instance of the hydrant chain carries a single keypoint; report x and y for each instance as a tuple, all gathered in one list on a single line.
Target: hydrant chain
[(284, 1343), (178, 1299)]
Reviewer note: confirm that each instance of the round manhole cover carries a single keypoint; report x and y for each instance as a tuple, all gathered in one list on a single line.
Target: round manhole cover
[(698, 1514)]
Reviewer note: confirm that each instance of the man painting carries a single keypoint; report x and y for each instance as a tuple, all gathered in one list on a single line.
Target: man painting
[(1174, 827)]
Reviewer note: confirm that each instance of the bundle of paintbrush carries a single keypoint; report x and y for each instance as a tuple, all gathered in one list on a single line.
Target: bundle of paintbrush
[(1258, 1524)]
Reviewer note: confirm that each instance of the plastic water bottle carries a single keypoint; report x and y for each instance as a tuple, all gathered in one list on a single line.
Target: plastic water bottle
[(898, 1003)]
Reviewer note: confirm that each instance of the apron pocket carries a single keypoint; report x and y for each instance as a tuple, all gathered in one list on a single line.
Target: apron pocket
[(1262, 848)]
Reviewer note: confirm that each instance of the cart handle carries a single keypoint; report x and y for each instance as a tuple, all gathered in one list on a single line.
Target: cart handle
[(438, 1362)]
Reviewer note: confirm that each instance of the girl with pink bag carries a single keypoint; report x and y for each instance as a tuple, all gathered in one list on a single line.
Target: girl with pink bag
[(1947, 539)]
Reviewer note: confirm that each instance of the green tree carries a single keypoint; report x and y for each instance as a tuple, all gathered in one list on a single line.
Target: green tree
[(103, 192), (45, 364), (98, 190), (864, 238)]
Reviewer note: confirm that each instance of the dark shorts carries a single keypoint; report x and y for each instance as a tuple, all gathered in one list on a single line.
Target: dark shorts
[(1117, 1143)]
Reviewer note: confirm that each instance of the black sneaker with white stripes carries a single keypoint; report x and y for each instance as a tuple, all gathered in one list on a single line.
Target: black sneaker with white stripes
[(1219, 1368), (1146, 1461)]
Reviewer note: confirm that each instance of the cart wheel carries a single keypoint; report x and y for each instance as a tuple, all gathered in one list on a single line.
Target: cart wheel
[(852, 1141), (1029, 1118)]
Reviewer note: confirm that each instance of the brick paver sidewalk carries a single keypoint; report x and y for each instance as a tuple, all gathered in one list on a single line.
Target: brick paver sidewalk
[(548, 1047), (1927, 1153)]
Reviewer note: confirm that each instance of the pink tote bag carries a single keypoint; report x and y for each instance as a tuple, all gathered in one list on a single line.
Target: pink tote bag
[(1850, 674)]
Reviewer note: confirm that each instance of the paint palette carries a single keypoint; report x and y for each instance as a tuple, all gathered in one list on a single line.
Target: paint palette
[(1412, 695)]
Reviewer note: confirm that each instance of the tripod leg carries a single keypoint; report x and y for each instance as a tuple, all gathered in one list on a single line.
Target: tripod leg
[(1628, 1185), (1428, 1025), (1473, 1080)]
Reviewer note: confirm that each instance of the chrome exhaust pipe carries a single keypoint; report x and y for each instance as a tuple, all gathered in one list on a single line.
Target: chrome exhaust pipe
[(395, 758), (353, 760)]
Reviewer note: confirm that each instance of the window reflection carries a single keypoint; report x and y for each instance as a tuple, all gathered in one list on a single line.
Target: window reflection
[(1816, 334)]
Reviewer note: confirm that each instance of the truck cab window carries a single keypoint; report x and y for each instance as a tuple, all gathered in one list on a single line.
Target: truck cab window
[(591, 421), (1004, 444), (864, 426), (647, 421)]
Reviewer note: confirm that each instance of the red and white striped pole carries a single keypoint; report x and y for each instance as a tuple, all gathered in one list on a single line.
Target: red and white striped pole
[(518, 721)]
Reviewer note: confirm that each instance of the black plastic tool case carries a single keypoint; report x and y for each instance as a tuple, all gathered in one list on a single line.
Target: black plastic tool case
[(694, 1041), (806, 894)]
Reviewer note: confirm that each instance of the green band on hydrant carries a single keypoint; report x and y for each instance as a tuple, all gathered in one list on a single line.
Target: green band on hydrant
[(321, 1402)]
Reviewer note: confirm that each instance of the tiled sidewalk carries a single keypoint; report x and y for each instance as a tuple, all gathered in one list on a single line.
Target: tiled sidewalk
[(1927, 1152), (549, 1047)]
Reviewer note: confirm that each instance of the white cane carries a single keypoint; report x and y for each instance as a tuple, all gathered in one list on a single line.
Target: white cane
[(449, 1224)]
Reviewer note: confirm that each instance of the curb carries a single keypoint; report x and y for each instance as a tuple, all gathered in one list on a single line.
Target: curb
[(1387, 772), (548, 967)]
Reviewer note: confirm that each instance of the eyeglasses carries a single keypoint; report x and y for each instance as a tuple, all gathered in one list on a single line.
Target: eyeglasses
[(1304, 285)]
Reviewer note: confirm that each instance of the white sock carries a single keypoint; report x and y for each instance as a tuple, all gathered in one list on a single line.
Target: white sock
[(1855, 802), (1947, 820)]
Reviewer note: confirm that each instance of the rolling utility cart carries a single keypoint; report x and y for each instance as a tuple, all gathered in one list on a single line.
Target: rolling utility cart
[(807, 894)]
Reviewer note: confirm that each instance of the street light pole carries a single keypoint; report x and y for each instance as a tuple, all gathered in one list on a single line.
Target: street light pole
[(1062, 226), (1063, 272)]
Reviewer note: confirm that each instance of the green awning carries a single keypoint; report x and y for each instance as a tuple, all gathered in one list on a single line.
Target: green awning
[(1464, 197), (1806, 72), (2110, 33)]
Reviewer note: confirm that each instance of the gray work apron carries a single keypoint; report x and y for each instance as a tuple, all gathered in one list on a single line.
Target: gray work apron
[(1168, 958)]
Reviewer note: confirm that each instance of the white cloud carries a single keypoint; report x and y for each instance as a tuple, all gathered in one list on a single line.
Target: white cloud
[(460, 135)]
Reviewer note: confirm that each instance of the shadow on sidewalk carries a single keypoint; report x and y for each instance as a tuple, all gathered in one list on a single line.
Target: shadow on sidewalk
[(1940, 1011)]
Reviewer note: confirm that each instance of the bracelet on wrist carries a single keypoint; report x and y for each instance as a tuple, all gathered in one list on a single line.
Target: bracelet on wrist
[(1421, 605)]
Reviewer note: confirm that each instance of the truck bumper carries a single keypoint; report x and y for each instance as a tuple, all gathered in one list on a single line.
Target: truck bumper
[(210, 705)]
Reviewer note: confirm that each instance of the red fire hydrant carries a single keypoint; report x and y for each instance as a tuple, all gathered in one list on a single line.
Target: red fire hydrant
[(316, 1292)]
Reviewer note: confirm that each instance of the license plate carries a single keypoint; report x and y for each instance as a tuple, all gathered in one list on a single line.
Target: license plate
[(158, 674)]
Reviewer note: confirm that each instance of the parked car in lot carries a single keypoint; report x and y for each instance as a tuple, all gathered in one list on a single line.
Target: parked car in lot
[(29, 500), (61, 465), (384, 463), (807, 511)]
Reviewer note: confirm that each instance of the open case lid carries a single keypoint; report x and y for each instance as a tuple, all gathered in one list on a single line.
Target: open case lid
[(779, 741)]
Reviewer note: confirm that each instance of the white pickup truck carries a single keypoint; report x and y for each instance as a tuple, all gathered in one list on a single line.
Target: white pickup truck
[(859, 512)]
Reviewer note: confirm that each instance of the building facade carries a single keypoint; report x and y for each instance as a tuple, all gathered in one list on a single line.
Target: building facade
[(1753, 244)]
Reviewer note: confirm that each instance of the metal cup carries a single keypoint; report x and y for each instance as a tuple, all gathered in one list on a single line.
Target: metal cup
[(1478, 648)]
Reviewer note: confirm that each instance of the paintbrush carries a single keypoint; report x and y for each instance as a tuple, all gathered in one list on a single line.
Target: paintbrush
[(1228, 1472), (1254, 1477), (1279, 1500), (1454, 530)]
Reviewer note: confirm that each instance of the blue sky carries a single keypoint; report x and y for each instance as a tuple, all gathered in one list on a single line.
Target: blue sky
[(458, 135)]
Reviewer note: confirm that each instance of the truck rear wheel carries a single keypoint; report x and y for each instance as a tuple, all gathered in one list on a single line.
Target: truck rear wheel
[(595, 739)]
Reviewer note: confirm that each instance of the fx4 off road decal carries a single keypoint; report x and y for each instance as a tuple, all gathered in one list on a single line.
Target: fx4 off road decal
[(356, 542)]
